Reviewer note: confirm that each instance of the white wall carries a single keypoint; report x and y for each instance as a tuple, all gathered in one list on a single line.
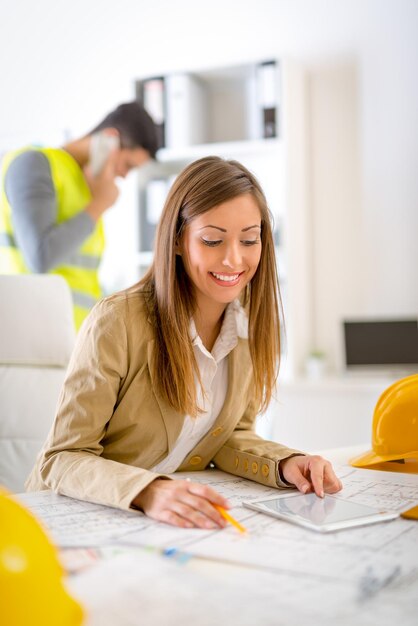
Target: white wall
[(336, 208), (63, 65)]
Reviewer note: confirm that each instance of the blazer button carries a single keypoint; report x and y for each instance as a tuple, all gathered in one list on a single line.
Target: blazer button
[(217, 431), (236, 462), (265, 470), (195, 460), (254, 467), (246, 465)]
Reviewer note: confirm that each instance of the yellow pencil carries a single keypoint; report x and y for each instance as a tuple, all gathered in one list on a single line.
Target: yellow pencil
[(230, 519)]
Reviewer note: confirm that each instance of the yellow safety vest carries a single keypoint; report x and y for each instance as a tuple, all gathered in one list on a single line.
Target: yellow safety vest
[(72, 195)]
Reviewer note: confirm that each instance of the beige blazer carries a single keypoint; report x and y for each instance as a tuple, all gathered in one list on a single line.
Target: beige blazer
[(111, 426)]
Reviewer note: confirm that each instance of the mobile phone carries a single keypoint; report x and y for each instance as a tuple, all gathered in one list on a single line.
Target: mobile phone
[(101, 145), (320, 514)]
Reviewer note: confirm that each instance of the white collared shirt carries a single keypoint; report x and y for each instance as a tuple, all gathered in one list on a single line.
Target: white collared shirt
[(213, 368)]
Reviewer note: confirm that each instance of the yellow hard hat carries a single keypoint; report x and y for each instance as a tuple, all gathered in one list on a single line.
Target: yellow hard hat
[(31, 577), (395, 427)]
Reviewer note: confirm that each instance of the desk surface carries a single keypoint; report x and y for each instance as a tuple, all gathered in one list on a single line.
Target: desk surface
[(278, 574)]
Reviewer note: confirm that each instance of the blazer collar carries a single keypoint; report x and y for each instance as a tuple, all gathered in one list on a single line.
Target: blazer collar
[(239, 370)]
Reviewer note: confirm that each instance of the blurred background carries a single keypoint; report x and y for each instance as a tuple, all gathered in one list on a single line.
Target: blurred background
[(341, 173)]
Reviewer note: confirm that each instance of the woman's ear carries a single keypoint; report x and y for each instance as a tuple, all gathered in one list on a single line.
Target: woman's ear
[(177, 248)]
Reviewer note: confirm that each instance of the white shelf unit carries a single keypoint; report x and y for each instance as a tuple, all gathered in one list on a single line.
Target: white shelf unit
[(225, 149), (233, 125)]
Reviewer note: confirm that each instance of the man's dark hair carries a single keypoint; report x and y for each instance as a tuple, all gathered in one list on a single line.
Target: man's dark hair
[(136, 128)]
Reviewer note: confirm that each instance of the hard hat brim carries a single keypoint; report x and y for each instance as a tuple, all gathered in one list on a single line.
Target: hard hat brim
[(371, 458)]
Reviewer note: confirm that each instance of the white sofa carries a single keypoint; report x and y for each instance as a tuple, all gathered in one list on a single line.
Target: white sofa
[(36, 339)]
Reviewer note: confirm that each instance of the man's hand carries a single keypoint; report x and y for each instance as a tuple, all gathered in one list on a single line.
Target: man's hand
[(182, 503), (103, 187), (310, 473)]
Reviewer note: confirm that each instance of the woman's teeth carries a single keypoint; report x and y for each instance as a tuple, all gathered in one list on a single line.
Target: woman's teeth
[(227, 278)]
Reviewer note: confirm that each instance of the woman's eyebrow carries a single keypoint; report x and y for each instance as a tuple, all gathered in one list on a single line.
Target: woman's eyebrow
[(212, 226), (224, 229), (250, 227)]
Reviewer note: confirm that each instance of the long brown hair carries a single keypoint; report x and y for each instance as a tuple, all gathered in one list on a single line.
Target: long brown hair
[(201, 186)]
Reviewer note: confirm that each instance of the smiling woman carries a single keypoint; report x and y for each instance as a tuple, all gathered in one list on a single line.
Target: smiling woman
[(171, 373), (214, 212)]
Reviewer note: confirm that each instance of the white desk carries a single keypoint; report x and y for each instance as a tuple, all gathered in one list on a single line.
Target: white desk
[(288, 575)]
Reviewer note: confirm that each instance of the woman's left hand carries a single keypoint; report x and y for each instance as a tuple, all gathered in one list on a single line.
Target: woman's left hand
[(310, 473)]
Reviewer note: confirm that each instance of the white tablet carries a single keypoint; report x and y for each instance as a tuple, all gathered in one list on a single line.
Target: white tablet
[(321, 514)]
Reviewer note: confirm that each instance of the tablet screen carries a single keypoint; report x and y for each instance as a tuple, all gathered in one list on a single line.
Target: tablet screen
[(318, 511)]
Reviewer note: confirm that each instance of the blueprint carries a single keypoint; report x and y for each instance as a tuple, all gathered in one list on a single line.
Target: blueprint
[(147, 589), (370, 571), (74, 523)]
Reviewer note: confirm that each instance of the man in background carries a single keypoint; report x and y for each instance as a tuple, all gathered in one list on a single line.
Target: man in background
[(52, 201)]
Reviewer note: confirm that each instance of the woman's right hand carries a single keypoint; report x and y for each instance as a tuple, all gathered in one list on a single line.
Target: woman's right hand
[(182, 503)]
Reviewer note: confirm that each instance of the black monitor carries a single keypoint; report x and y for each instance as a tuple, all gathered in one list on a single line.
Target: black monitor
[(381, 343)]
